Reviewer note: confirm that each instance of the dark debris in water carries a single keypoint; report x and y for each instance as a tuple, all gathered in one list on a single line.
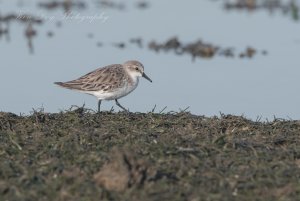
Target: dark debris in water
[(66, 5), (120, 45), (290, 7), (80, 155), (111, 4), (200, 48), (142, 4), (29, 20), (119, 5), (23, 18)]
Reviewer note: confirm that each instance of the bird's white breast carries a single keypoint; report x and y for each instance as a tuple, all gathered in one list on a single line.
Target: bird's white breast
[(118, 93)]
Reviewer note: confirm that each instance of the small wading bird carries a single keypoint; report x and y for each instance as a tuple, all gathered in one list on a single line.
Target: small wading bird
[(110, 82)]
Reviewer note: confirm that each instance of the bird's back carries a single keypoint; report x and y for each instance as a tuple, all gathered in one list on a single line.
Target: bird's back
[(101, 79)]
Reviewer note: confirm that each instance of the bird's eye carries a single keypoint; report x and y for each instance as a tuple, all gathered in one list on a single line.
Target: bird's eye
[(137, 68)]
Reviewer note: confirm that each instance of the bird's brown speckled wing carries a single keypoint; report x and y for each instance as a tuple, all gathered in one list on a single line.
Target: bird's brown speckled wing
[(102, 79)]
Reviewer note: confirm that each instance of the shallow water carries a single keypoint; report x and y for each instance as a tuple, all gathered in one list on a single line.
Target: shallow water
[(262, 86)]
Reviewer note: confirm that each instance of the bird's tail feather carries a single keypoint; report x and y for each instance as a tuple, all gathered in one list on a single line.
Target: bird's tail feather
[(66, 85)]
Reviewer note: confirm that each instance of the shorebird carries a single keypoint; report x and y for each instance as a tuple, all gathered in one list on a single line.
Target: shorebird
[(110, 82)]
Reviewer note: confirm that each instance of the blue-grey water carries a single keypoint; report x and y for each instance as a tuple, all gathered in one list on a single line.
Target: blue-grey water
[(264, 86)]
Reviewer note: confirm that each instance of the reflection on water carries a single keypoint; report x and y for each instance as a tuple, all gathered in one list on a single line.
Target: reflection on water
[(30, 32), (4, 30)]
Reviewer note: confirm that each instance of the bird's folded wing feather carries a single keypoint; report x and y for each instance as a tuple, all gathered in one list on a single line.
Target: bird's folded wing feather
[(101, 79)]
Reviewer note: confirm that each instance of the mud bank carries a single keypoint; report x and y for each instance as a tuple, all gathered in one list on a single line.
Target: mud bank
[(79, 155)]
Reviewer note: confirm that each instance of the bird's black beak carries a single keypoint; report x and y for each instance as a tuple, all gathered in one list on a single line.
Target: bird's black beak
[(146, 77)]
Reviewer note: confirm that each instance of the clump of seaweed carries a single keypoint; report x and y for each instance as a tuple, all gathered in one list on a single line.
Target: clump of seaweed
[(79, 154)]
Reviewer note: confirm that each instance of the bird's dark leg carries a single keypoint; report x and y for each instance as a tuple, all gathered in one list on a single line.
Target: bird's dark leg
[(99, 103), (118, 104)]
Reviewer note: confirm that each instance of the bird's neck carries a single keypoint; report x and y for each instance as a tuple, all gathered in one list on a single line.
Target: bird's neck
[(133, 79)]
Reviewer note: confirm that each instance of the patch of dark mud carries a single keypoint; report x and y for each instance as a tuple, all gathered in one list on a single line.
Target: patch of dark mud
[(124, 170), (81, 155)]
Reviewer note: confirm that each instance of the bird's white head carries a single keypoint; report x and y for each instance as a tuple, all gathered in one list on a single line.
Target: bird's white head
[(135, 69)]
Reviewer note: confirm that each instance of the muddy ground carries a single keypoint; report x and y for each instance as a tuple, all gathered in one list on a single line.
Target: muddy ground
[(80, 155)]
